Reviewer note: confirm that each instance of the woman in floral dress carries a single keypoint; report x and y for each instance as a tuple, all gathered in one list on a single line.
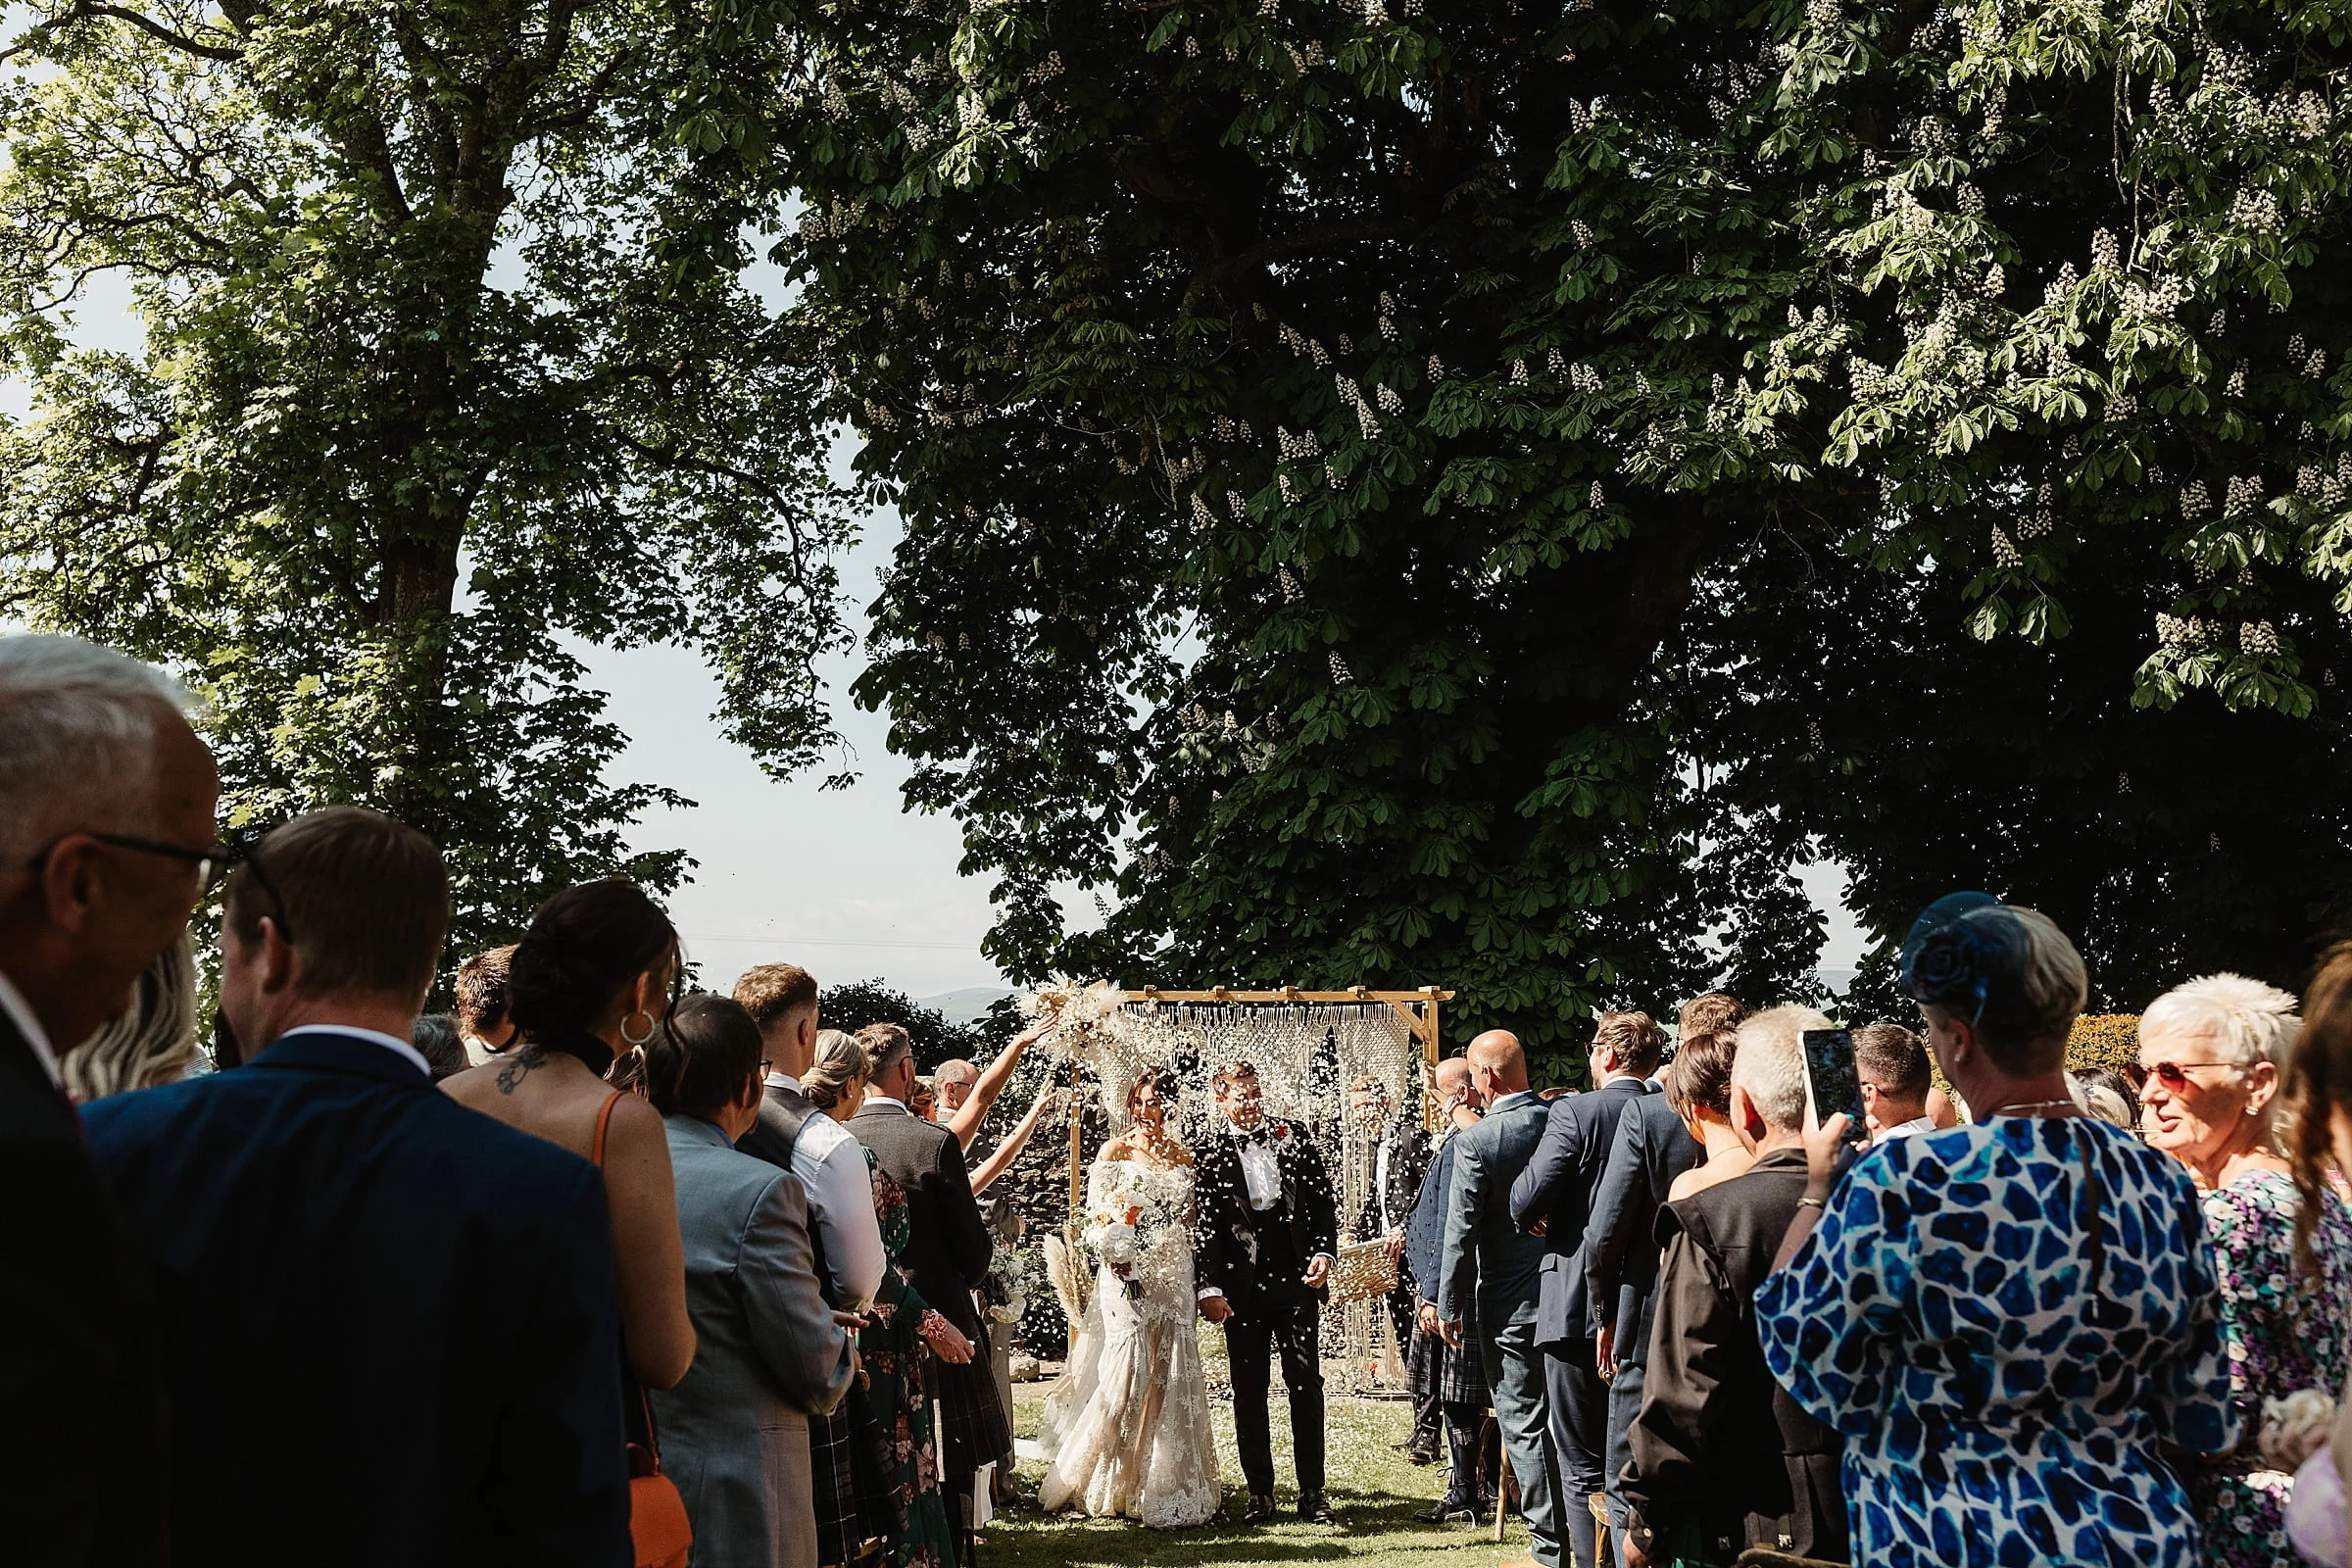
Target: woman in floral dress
[(2211, 1059), (905, 1332)]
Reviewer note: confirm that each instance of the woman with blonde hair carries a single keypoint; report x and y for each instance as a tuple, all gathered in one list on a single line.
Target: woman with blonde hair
[(2213, 1059), (150, 1042)]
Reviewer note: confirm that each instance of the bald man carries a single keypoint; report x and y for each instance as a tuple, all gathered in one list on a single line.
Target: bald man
[(1449, 1383), (1488, 1265)]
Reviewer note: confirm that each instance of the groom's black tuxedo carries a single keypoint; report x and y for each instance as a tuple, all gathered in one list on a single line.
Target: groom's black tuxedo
[(1257, 1259), (1233, 1242)]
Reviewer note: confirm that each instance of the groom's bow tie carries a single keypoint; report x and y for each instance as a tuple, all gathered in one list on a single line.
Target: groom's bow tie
[(1259, 1133)]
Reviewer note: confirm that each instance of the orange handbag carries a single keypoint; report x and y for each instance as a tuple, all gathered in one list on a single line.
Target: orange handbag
[(658, 1521)]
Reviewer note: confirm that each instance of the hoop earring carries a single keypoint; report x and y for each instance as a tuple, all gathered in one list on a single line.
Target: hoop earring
[(637, 1040)]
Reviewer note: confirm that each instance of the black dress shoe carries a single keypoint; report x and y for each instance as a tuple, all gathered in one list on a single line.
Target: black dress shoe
[(1315, 1510), (1448, 1511), (1260, 1511), (1421, 1456)]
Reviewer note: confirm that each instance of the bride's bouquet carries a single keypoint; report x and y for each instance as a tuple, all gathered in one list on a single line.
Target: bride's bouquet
[(1117, 1238), (1124, 1230)]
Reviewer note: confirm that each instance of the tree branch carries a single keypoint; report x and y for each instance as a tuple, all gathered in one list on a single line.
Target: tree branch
[(89, 11)]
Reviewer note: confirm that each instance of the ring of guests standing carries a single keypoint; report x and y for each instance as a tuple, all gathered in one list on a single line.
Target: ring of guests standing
[(593, 1262), (410, 1289)]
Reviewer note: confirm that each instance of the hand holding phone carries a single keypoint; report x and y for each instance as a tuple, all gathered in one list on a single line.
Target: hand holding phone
[(1833, 1084)]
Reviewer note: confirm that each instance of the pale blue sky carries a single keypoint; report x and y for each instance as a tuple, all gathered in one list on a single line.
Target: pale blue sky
[(842, 882)]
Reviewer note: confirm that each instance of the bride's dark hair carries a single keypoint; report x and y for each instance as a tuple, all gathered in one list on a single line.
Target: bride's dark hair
[(1159, 1078)]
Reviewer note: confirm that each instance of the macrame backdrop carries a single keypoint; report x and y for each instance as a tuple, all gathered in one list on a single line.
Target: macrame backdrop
[(1308, 1052)]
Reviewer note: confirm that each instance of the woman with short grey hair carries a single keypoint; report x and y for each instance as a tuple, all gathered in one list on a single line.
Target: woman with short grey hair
[(2212, 1064), (150, 1042)]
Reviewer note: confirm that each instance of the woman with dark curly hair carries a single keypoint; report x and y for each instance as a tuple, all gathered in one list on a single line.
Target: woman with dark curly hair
[(2007, 1320), (591, 981)]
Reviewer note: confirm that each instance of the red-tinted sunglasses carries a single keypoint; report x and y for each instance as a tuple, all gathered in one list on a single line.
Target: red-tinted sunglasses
[(2173, 1075)]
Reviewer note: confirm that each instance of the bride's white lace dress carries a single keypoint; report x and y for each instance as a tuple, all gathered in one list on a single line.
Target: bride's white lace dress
[(1129, 1422)]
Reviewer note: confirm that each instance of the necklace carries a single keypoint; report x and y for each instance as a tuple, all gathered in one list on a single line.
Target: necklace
[(2025, 1105)]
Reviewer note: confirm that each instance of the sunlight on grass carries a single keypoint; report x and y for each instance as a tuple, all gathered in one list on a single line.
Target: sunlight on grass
[(1373, 1489)]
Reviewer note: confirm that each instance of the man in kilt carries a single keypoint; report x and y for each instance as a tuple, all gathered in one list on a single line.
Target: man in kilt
[(1452, 1379), (946, 1261)]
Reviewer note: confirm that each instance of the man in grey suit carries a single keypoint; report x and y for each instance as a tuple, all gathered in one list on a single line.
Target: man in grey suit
[(1487, 1260), (769, 1353)]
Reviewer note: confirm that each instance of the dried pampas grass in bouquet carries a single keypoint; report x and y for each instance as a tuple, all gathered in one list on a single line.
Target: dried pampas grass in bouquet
[(1076, 1009), (1090, 1027)]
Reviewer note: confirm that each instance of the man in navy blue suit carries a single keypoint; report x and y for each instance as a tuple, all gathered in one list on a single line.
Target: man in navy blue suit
[(1553, 1197), (327, 1229), (1621, 1268)]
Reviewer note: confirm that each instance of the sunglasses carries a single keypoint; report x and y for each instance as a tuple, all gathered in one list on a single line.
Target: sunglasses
[(2173, 1075)]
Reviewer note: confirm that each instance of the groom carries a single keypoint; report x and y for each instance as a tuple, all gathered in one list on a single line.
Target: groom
[(1267, 1226)]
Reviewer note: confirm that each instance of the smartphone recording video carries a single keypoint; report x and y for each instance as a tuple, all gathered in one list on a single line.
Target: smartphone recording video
[(1831, 1083)]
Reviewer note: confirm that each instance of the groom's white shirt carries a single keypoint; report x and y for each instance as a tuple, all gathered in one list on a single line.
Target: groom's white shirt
[(1262, 1173)]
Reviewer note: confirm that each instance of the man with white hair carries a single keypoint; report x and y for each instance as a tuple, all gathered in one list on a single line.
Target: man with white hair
[(1719, 1451), (107, 803)]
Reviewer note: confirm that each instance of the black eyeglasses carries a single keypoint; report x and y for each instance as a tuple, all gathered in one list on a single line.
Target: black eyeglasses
[(211, 862)]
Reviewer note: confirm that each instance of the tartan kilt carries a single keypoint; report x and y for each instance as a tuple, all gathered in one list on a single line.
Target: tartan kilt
[(973, 1425), (832, 1463), (1421, 1359), (1458, 1377)]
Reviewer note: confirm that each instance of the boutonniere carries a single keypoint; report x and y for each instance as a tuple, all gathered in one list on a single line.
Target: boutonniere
[(1282, 1131)]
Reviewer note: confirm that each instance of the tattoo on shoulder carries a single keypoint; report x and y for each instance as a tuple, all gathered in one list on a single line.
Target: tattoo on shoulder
[(516, 1066)]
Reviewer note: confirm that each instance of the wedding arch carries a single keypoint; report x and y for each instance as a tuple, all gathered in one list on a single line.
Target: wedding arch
[(1310, 1049)]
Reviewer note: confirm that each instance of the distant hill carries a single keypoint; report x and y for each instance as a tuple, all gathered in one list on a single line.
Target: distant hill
[(966, 1005)]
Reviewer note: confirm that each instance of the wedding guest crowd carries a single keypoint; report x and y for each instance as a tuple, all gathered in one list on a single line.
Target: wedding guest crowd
[(2096, 1321), (597, 1270), (326, 1307)]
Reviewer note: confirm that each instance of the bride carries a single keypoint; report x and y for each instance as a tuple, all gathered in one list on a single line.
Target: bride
[(1130, 1420)]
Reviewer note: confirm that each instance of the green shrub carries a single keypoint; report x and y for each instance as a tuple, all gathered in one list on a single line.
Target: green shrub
[(2109, 1040)]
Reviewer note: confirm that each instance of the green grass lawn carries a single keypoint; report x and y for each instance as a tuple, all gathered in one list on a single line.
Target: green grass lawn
[(1373, 1489)]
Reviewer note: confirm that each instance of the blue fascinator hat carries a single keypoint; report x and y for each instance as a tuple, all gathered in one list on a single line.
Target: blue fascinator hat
[(1966, 950)]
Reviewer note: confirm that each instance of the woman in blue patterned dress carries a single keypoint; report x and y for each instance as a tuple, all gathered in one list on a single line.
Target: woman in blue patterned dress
[(2005, 1319), (2212, 1054)]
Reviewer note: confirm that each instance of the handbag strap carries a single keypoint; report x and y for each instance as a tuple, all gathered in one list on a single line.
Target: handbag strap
[(653, 1441), (603, 1120)]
